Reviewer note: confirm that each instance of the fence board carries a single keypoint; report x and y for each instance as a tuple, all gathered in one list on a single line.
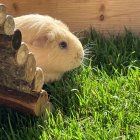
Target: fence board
[(104, 15)]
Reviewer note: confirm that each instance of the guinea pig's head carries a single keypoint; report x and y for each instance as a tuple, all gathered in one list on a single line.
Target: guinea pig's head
[(59, 49)]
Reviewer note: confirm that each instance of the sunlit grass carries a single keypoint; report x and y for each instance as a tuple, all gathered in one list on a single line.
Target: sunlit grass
[(98, 101)]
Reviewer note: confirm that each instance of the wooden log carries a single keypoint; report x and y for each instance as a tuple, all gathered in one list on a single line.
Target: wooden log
[(7, 56), (13, 75), (11, 40), (8, 26), (2, 14), (38, 80), (43, 104), (22, 54), (30, 67), (35, 104), (17, 68), (16, 84), (5, 40), (20, 81)]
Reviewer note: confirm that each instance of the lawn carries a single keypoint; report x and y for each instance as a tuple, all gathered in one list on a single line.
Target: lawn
[(98, 101)]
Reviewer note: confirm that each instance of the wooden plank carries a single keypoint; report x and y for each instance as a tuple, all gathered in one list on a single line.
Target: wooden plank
[(104, 15)]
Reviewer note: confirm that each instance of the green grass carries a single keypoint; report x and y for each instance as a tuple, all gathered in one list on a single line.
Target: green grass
[(99, 101)]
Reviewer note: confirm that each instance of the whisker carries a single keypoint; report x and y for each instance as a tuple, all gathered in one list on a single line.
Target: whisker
[(87, 51), (87, 54), (88, 47), (86, 58)]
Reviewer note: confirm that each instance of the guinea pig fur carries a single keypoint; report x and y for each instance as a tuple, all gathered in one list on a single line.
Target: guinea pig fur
[(55, 48)]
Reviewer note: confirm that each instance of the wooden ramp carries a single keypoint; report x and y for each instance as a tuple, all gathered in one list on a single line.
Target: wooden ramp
[(21, 81)]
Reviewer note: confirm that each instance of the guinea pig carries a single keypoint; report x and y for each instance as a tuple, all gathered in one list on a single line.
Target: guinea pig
[(55, 48)]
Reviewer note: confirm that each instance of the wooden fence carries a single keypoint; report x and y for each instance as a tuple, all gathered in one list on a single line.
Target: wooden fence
[(103, 15)]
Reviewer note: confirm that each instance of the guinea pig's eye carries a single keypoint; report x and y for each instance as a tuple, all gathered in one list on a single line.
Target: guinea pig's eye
[(63, 45)]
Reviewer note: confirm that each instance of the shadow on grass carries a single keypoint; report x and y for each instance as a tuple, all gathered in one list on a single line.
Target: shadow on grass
[(62, 93), (13, 122)]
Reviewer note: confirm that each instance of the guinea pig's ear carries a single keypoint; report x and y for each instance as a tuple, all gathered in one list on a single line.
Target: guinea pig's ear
[(41, 40)]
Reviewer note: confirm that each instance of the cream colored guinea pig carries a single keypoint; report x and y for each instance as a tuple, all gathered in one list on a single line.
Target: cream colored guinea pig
[(56, 49)]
